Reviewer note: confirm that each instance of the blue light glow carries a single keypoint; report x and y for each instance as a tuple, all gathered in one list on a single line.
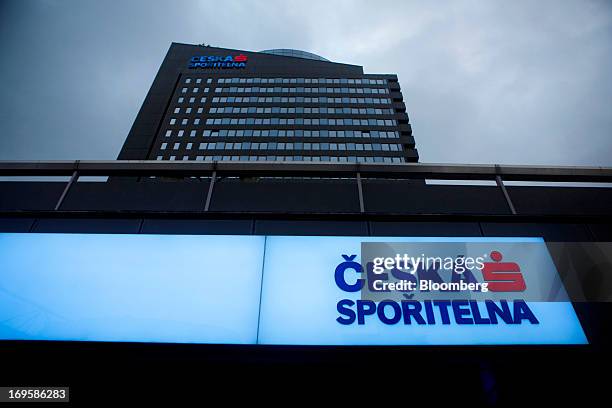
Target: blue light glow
[(206, 289), (299, 303), (145, 288)]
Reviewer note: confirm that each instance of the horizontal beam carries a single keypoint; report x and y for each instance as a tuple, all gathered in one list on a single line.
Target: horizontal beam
[(143, 168), (292, 216)]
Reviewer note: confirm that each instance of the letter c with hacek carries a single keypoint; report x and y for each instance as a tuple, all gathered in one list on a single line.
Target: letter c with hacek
[(340, 274)]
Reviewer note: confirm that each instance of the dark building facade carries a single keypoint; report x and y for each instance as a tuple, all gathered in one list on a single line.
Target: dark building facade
[(216, 104)]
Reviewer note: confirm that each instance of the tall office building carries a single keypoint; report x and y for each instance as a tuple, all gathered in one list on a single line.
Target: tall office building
[(217, 104)]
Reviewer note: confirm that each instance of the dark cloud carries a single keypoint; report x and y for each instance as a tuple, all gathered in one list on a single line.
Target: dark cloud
[(505, 82)]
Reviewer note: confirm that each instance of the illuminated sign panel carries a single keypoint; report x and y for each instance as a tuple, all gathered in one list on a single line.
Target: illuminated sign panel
[(281, 290), (149, 288), (221, 62), (298, 290)]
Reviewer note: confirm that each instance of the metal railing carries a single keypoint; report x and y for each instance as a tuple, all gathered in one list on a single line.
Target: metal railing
[(357, 171)]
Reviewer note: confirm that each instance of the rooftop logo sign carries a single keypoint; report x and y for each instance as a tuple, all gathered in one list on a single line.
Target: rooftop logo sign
[(220, 62)]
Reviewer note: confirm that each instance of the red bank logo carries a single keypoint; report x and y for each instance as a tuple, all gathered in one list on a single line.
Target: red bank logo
[(503, 276)]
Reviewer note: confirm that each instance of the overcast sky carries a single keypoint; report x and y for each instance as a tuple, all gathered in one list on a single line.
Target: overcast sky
[(515, 82)]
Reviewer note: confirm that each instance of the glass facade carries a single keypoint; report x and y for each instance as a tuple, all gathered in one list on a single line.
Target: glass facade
[(231, 115)]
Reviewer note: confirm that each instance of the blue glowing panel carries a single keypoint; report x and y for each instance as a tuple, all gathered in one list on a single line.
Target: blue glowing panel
[(143, 288), (300, 302), (207, 289)]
